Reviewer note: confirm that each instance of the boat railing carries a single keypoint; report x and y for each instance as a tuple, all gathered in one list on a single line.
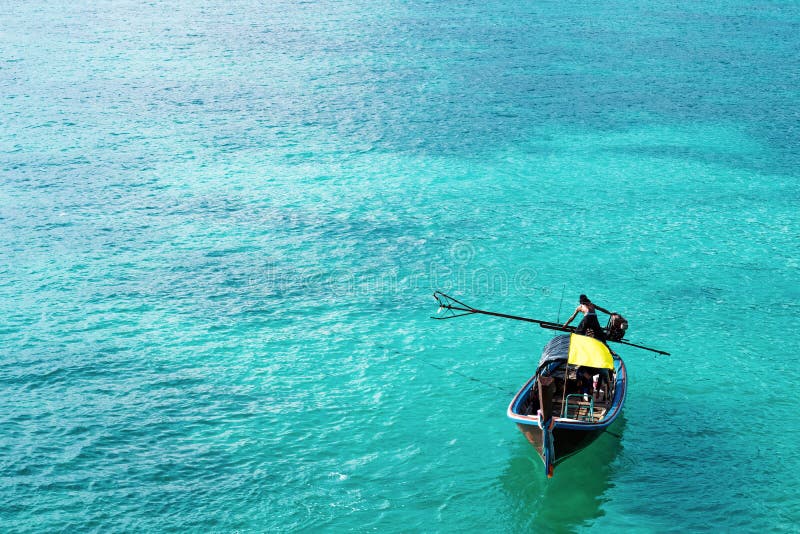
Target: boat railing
[(585, 406)]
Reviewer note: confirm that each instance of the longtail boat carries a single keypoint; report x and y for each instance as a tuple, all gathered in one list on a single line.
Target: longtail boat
[(578, 390)]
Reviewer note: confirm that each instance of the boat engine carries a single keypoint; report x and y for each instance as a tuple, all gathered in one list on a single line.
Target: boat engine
[(616, 327)]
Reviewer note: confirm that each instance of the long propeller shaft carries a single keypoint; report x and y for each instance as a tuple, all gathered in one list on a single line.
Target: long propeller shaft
[(453, 305)]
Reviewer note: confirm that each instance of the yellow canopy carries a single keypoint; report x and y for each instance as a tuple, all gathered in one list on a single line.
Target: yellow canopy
[(589, 352)]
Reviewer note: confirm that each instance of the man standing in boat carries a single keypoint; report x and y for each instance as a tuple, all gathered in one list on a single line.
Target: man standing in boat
[(589, 325)]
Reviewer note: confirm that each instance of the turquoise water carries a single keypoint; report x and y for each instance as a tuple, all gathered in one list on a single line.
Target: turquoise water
[(221, 223)]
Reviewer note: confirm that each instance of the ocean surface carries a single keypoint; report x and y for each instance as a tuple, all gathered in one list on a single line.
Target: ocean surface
[(221, 224)]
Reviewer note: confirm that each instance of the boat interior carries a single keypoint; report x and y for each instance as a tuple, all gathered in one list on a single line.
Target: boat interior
[(587, 397)]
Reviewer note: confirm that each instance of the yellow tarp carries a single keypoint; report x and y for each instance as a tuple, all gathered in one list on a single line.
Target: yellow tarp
[(589, 352)]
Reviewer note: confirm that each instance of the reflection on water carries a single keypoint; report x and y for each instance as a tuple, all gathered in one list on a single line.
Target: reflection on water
[(575, 494)]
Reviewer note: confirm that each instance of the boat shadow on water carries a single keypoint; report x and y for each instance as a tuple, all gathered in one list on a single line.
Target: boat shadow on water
[(569, 501)]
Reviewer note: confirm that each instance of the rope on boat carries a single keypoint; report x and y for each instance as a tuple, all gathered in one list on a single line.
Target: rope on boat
[(468, 377)]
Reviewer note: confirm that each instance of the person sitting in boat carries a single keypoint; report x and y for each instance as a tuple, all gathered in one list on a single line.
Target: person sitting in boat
[(589, 325), (583, 377)]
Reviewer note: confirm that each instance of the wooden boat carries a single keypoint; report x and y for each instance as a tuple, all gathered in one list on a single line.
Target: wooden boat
[(561, 409), (578, 390)]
